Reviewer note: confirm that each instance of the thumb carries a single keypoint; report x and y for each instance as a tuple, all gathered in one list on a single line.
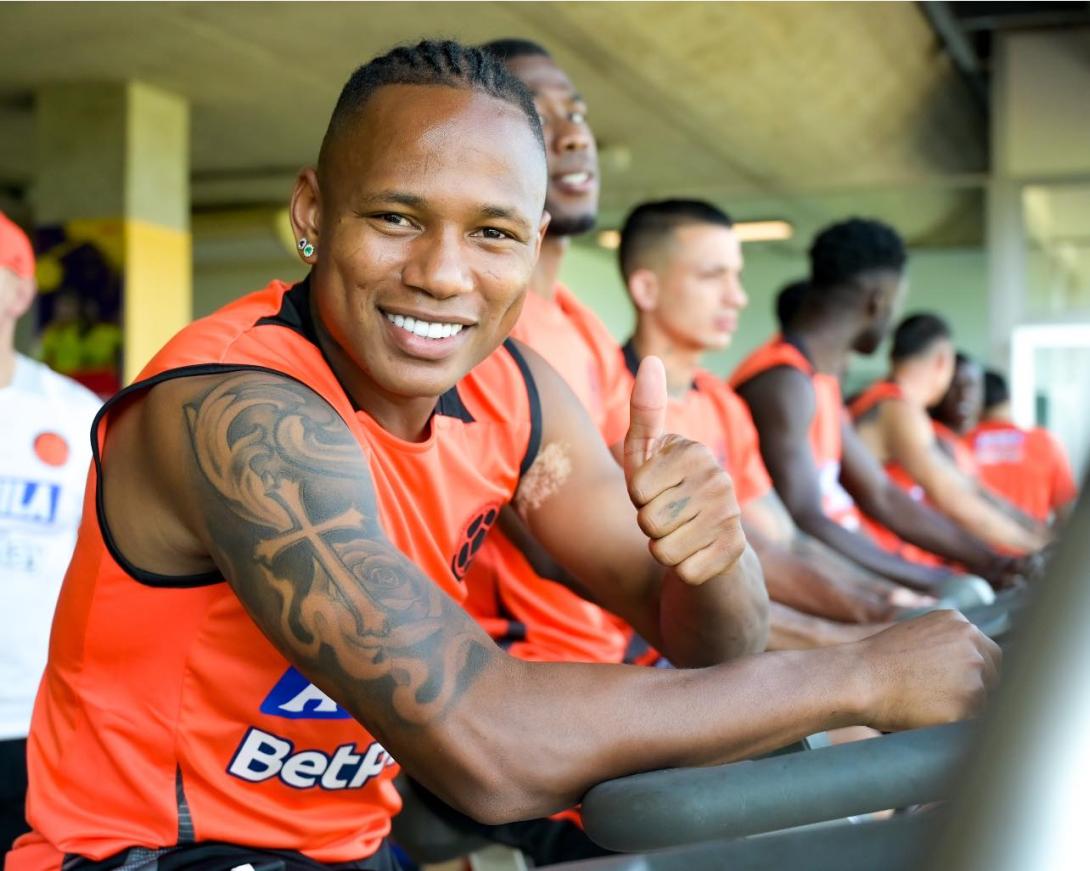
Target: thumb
[(647, 415)]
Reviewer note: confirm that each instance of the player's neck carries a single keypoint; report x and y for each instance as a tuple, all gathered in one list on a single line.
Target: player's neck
[(547, 271), (681, 361), (827, 339), (7, 352), (407, 419), (998, 414)]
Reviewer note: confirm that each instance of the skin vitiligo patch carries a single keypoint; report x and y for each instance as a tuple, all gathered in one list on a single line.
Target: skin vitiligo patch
[(546, 475)]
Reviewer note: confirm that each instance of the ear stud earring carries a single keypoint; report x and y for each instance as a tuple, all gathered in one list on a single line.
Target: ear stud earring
[(306, 247)]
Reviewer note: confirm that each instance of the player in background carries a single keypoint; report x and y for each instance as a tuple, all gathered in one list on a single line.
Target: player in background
[(44, 455)]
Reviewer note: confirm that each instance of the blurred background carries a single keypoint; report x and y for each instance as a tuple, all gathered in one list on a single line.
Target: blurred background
[(151, 149)]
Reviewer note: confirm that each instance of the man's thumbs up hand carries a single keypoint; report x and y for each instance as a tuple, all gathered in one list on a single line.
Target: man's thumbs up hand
[(685, 501)]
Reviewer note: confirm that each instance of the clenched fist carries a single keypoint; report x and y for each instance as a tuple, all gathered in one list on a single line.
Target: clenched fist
[(685, 500), (933, 669)]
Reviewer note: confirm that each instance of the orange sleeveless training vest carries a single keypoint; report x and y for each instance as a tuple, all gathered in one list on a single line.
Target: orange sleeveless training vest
[(864, 404), (532, 617), (825, 427), (165, 716)]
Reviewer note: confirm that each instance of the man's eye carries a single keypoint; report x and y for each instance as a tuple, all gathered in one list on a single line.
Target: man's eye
[(577, 117), (493, 233), (394, 218)]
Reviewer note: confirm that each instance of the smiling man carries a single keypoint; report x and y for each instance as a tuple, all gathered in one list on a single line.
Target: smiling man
[(513, 589), (261, 614)]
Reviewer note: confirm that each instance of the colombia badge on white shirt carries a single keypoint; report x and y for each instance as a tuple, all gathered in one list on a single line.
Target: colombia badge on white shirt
[(45, 454)]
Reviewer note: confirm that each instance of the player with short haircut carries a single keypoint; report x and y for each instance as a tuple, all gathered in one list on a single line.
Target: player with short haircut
[(262, 613), (892, 421), (44, 455), (823, 473), (1028, 467), (682, 264)]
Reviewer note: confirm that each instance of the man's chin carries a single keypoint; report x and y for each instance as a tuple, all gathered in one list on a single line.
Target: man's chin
[(571, 225)]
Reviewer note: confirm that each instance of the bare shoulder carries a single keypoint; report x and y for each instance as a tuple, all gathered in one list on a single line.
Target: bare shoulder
[(563, 415), (165, 444), (906, 422), (781, 396)]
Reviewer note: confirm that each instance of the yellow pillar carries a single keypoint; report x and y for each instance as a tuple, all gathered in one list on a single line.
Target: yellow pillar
[(112, 188)]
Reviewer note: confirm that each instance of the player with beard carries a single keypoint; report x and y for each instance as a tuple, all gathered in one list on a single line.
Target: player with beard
[(513, 586)]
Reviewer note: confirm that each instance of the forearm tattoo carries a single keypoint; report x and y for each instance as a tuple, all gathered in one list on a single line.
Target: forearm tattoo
[(292, 511)]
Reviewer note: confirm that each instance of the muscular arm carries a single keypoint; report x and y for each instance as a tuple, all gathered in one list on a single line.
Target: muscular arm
[(913, 521), (794, 630), (910, 440), (782, 403), (802, 573), (602, 544), (255, 475)]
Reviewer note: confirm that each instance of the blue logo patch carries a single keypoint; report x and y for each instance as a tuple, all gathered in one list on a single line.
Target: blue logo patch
[(296, 698), (29, 501)]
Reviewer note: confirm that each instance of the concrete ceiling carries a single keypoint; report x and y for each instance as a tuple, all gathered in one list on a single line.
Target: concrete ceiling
[(795, 110)]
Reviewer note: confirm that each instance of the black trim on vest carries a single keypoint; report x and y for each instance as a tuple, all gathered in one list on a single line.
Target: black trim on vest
[(154, 579), (450, 405), (295, 314), (186, 832), (533, 444)]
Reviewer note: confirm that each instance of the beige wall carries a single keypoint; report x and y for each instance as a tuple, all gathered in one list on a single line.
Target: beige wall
[(1042, 104)]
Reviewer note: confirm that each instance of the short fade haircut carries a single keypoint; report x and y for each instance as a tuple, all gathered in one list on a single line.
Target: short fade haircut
[(431, 62), (788, 301), (844, 251), (996, 391), (916, 335), (649, 223), (509, 48)]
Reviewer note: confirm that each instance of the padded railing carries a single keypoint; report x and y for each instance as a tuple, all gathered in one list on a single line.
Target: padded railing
[(683, 806)]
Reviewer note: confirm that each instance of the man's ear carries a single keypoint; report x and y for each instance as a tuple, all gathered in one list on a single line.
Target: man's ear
[(874, 299), (546, 219), (305, 212), (643, 287)]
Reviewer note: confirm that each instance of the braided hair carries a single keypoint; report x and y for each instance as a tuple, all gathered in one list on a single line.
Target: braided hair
[(432, 62)]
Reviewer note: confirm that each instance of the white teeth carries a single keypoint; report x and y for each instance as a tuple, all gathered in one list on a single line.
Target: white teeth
[(575, 177), (425, 329)]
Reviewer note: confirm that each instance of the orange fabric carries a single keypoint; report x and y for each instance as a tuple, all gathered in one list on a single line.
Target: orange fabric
[(1028, 467), (874, 396), (151, 689), (862, 405), (714, 415), (580, 347), (532, 617), (867, 402), (825, 427)]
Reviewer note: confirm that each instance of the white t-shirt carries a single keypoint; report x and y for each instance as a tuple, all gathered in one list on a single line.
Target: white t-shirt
[(45, 453)]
